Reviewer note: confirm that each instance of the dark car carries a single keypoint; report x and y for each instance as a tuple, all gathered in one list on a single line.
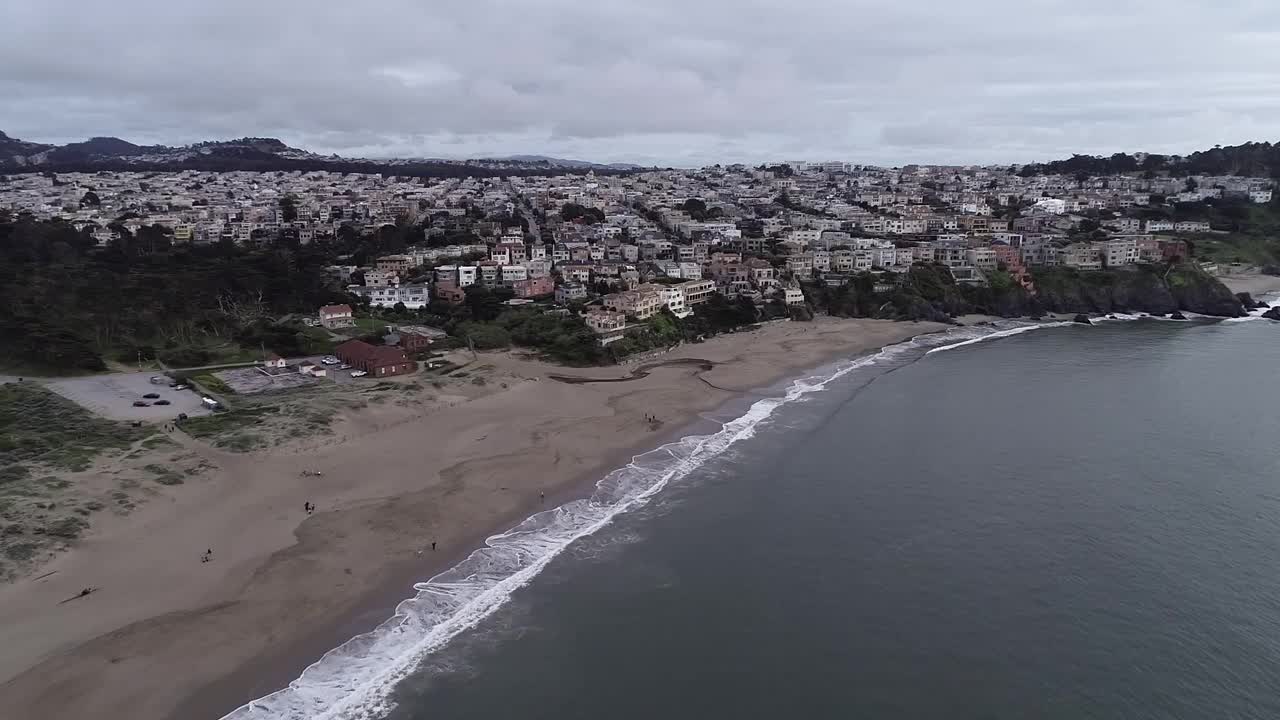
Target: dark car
[(161, 402), (151, 396), (141, 403)]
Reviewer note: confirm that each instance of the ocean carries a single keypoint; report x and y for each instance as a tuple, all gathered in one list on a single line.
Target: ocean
[(1051, 521)]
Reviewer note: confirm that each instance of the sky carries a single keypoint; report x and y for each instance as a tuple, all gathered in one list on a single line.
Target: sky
[(685, 83)]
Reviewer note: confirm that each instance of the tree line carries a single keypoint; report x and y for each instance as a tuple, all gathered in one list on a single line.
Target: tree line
[(71, 305)]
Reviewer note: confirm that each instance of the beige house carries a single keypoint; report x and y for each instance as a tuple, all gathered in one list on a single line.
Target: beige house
[(609, 326), (641, 303), (336, 316)]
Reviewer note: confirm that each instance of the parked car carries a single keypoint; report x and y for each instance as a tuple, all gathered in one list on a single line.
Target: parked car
[(179, 386), (330, 360), (159, 379), (344, 366), (161, 402), (358, 373), (151, 396), (141, 403)]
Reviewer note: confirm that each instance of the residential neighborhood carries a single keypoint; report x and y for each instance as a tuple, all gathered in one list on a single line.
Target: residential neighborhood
[(629, 245)]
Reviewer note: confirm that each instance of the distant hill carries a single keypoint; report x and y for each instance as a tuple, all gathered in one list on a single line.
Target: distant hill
[(1252, 159), (259, 155), (561, 162), (14, 151)]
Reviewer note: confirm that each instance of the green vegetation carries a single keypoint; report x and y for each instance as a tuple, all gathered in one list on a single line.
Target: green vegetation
[(158, 441), (928, 292), (213, 384), (39, 429), (71, 306), (38, 426), (230, 421), (562, 336), (588, 215), (1252, 159), (164, 475)]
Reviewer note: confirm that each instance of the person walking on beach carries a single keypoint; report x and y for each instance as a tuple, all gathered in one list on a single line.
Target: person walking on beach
[(542, 496), (433, 546)]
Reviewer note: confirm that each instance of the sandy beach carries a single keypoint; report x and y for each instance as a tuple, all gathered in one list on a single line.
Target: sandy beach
[(169, 636), (1256, 284)]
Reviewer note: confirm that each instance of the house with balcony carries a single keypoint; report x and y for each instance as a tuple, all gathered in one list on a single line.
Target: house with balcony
[(641, 303), (607, 325), (697, 292)]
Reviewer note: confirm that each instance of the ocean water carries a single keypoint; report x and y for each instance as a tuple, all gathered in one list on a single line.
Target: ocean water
[(1066, 522)]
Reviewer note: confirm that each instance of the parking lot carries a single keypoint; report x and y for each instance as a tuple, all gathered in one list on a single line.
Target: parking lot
[(248, 381), (113, 396)]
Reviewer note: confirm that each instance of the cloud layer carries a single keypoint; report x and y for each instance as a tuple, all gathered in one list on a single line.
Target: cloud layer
[(682, 83)]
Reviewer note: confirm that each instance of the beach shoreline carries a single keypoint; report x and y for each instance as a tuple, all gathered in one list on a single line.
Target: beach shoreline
[(286, 588), (1256, 284)]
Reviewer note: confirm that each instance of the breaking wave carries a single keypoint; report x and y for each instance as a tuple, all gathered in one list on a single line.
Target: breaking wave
[(996, 335), (1272, 301), (355, 680)]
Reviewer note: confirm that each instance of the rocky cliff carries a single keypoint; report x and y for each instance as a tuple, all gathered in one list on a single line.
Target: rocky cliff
[(929, 293), (1154, 289)]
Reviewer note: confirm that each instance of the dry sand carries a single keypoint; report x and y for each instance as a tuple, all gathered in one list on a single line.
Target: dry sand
[(1256, 284), (168, 636)]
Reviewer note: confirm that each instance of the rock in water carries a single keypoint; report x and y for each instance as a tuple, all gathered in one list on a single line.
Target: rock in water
[(1082, 319), (1175, 315), (1248, 302), (1272, 314)]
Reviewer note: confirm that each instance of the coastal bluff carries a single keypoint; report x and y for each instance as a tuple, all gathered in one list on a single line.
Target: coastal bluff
[(928, 292)]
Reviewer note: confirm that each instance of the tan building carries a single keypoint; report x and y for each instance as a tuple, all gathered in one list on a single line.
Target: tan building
[(641, 303), (697, 292), (1083, 256), (609, 326)]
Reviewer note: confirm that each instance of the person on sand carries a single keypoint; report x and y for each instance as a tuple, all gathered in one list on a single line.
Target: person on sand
[(542, 496), (433, 546)]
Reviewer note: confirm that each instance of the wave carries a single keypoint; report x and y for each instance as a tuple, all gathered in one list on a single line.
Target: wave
[(1270, 301), (999, 334), (355, 680)]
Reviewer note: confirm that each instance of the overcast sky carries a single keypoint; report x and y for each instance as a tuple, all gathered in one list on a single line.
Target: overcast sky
[(651, 81)]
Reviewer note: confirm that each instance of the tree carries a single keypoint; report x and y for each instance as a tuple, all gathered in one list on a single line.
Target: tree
[(694, 206), (573, 211), (90, 199), (288, 209)]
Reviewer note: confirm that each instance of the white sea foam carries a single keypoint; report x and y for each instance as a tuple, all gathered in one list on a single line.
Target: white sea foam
[(985, 336), (1272, 301), (354, 681)]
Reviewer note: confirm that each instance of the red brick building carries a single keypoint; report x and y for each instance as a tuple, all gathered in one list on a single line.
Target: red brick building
[(416, 338), (450, 293), (380, 361), (534, 287)]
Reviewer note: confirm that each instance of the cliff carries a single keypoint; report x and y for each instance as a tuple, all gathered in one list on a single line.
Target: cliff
[(1155, 289), (928, 292)]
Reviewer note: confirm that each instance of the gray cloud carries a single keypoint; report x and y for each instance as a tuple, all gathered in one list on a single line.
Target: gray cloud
[(661, 81)]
